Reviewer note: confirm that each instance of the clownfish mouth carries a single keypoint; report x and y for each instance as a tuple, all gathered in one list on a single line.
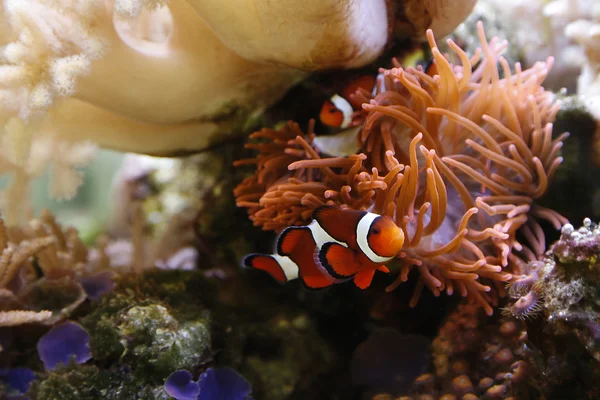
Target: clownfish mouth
[(397, 244), (394, 247)]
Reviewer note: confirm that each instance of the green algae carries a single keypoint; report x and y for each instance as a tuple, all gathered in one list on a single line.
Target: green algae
[(135, 326), (83, 382), (151, 325), (161, 321)]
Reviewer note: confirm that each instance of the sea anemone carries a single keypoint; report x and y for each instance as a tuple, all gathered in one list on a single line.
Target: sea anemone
[(456, 159)]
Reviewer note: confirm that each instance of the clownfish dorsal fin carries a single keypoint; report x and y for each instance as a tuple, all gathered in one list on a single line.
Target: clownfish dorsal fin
[(339, 224), (289, 239), (331, 220), (326, 214), (340, 262), (364, 278)]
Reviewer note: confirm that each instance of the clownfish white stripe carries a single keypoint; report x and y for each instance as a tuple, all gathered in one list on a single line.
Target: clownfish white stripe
[(362, 238), (345, 107), (288, 266), (320, 235)]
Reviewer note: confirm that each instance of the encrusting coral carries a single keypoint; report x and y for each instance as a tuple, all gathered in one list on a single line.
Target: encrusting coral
[(456, 159), (558, 298), (475, 357), (561, 287)]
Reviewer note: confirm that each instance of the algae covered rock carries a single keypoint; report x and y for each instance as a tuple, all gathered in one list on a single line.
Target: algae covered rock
[(87, 382), (147, 333), (151, 325), (161, 321), (284, 356), (563, 289), (570, 281)]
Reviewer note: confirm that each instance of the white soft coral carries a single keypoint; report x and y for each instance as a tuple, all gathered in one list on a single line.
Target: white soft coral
[(51, 44), (133, 8), (46, 46)]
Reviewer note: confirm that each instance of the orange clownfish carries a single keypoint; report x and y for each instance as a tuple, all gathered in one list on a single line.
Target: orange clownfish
[(431, 68), (338, 110), (336, 246)]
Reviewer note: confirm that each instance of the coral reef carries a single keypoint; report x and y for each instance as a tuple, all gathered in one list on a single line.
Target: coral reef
[(543, 36), (160, 321), (485, 143), (583, 28), (559, 296), (475, 357), (563, 286), (137, 339), (49, 287), (461, 151)]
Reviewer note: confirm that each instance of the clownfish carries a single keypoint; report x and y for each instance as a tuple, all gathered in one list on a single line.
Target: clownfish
[(338, 110), (431, 68), (338, 245)]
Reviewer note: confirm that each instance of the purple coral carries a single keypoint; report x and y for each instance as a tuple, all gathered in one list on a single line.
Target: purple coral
[(223, 384), (214, 383), (17, 379), (181, 386), (98, 284), (62, 343)]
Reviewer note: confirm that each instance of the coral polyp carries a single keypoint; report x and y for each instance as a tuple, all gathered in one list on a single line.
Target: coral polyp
[(456, 159)]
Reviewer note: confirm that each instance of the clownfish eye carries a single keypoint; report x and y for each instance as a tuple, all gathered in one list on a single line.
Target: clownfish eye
[(375, 231)]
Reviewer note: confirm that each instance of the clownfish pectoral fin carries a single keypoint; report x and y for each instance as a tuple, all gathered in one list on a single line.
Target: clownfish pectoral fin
[(364, 278), (340, 262), (383, 268), (281, 268), (289, 239)]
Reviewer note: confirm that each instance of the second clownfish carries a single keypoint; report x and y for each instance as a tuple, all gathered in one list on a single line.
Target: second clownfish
[(338, 245), (338, 110), (431, 68)]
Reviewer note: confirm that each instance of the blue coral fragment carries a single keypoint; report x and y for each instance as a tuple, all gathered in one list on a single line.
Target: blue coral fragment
[(62, 343), (214, 384), (181, 386), (17, 379), (223, 384), (98, 284)]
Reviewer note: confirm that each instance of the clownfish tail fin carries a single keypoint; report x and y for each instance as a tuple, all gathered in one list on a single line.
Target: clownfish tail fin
[(281, 268)]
